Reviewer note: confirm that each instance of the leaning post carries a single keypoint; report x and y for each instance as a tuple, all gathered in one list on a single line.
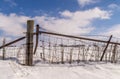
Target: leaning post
[(106, 48), (29, 43)]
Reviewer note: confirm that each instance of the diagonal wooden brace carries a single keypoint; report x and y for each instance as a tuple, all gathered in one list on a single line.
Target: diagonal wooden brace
[(105, 48)]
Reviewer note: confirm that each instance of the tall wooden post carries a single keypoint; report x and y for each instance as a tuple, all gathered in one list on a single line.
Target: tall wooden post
[(29, 43)]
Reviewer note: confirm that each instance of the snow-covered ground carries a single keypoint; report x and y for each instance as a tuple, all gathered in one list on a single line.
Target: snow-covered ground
[(12, 70)]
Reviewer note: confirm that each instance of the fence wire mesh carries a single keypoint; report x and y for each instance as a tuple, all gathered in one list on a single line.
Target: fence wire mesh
[(58, 49)]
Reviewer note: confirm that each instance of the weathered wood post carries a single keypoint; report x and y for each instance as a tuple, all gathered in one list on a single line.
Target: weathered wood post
[(62, 54), (43, 49), (29, 43), (71, 52), (113, 58), (78, 55), (3, 49)]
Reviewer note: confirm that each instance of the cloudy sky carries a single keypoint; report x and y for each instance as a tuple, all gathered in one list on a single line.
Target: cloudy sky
[(74, 17)]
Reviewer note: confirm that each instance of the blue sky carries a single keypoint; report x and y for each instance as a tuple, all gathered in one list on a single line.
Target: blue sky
[(77, 16), (30, 7)]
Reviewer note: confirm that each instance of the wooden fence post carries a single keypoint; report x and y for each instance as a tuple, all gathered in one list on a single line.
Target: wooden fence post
[(71, 53), (78, 55), (62, 54), (43, 49), (113, 58), (29, 43), (3, 49)]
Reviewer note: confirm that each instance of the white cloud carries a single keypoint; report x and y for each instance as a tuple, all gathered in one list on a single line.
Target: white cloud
[(114, 30), (11, 2), (79, 22), (86, 2), (74, 23), (12, 24), (66, 14), (114, 6)]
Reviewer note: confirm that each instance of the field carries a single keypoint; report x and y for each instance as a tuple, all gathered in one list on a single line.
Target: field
[(11, 70)]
